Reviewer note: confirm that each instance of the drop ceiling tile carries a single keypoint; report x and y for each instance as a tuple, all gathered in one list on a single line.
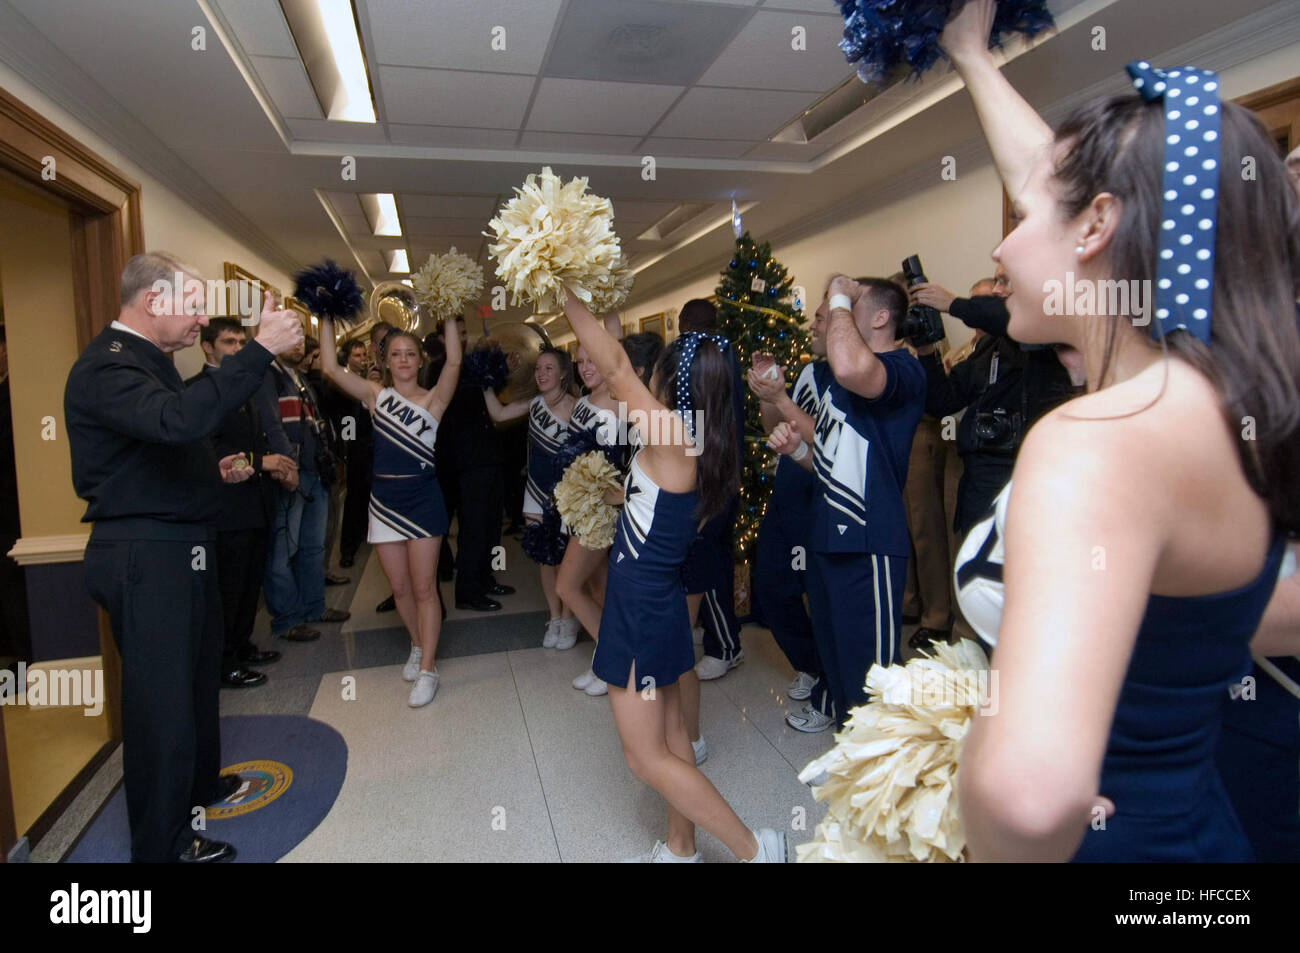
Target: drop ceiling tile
[(732, 113), (453, 98), (578, 105), (576, 142), (697, 148), (645, 41), (287, 84), (326, 130), (418, 228), (763, 57), (418, 205), (451, 137), (259, 26), (638, 211), (787, 151), (455, 34)]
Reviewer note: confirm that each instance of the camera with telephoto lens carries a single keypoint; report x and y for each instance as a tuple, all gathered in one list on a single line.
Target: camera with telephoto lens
[(922, 324)]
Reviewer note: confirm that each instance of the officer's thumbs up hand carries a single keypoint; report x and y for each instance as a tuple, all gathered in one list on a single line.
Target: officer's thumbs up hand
[(279, 330)]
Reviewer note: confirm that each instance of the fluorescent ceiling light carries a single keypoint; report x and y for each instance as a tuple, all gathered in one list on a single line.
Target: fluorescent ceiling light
[(408, 282), (330, 46), (396, 259), (381, 212)]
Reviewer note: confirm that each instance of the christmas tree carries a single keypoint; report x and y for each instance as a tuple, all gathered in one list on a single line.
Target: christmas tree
[(756, 312)]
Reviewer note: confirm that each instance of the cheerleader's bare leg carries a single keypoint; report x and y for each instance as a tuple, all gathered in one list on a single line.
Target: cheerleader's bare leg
[(393, 557), (642, 722), (422, 558), (577, 573)]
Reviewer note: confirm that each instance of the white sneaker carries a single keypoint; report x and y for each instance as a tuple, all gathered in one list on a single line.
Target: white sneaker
[(583, 680), (660, 854), (809, 720), (412, 666), (566, 634), (701, 750), (552, 630), (596, 686), (697, 635), (425, 687), (801, 688), (710, 667), (771, 847)]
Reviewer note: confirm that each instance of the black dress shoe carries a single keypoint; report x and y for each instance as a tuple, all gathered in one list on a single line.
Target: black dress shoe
[(481, 604), (923, 638), (242, 678), (204, 851), (227, 785), (250, 654), (388, 605), (501, 590), (332, 580)]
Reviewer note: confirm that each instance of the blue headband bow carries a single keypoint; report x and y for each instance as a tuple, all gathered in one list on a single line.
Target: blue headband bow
[(1185, 269), (685, 360)]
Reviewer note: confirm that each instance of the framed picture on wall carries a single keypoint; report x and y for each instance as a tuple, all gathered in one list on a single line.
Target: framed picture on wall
[(310, 324), (657, 323), (243, 287)]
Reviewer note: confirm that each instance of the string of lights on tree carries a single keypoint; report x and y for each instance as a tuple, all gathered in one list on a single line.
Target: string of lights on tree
[(757, 312)]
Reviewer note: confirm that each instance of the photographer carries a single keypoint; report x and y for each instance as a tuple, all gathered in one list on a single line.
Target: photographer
[(1004, 386)]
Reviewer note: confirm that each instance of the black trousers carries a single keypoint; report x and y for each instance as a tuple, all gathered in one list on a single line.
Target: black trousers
[(481, 490), (710, 568), (356, 508), (166, 616), (241, 561)]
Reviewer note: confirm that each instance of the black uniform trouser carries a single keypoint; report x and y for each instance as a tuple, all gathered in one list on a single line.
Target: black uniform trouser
[(481, 489), (710, 568), (982, 478), (166, 618), (356, 509), (241, 560)]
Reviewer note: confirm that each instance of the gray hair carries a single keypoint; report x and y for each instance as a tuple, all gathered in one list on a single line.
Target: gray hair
[(148, 268)]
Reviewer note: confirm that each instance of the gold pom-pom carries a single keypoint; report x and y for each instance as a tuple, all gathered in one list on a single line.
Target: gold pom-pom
[(890, 787), (446, 283), (612, 290), (580, 498), (552, 234)]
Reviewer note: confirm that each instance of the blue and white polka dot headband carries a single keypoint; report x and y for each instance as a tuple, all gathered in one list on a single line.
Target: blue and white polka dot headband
[(1190, 194), (685, 361)]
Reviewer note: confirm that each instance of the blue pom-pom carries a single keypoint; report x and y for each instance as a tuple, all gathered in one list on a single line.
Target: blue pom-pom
[(885, 37), (584, 441), (485, 368), (329, 291), (544, 541)]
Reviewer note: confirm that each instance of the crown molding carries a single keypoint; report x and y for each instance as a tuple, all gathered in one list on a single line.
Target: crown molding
[(27, 52)]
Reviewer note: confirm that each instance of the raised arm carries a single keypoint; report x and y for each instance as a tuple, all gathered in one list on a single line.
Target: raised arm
[(852, 362), (358, 388), (613, 324), (609, 357), (503, 413), (1016, 134), (443, 391)]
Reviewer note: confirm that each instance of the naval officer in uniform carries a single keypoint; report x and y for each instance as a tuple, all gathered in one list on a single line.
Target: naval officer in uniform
[(142, 461)]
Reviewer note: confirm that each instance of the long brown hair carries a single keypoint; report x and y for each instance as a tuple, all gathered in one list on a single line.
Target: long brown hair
[(1116, 145), (717, 468)]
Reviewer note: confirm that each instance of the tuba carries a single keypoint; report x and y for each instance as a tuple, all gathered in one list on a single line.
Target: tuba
[(522, 344)]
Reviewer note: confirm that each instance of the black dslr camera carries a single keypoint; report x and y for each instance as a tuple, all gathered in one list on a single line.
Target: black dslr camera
[(998, 431), (922, 324)]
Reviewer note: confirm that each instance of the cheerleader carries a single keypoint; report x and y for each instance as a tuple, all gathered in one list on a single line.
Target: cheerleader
[(1142, 533), (581, 578), (407, 514), (548, 426), (645, 644)]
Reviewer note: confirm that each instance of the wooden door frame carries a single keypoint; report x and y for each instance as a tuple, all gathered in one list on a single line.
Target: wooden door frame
[(106, 229)]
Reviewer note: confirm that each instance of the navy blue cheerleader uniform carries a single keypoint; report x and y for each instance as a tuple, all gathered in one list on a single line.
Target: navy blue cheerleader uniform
[(405, 499), (859, 542), (779, 586), (546, 435), (644, 627), (1160, 770)]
